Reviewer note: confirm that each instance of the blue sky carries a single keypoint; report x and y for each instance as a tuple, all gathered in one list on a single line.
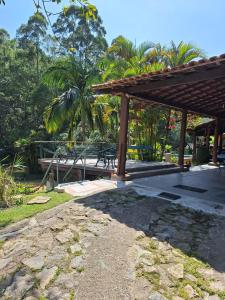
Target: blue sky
[(201, 22)]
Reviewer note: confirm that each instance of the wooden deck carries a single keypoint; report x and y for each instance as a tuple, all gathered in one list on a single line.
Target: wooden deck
[(134, 168), (78, 168)]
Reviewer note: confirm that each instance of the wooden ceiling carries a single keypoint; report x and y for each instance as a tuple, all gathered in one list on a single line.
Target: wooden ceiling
[(198, 87)]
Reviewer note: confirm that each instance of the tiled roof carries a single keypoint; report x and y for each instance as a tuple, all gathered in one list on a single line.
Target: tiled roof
[(135, 79), (198, 86)]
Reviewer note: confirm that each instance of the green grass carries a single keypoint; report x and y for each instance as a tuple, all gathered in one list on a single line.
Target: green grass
[(1, 243), (72, 295), (78, 253), (80, 269), (17, 213), (152, 277)]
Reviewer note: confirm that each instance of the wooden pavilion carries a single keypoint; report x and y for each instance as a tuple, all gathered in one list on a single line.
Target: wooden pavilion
[(198, 87), (206, 130)]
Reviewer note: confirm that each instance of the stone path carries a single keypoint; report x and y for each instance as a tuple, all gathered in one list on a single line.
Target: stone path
[(114, 245)]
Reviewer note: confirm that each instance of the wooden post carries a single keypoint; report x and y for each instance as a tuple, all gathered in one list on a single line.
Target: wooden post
[(194, 147), (124, 118), (182, 138), (208, 137), (215, 147), (220, 142)]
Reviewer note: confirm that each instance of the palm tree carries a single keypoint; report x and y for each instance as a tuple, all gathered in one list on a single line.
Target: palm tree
[(73, 106), (124, 59), (180, 54), (106, 115), (173, 56)]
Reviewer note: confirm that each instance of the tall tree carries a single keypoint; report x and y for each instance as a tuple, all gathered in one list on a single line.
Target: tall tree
[(31, 36), (73, 106), (182, 53), (77, 35), (124, 59), (173, 56), (22, 100), (82, 42)]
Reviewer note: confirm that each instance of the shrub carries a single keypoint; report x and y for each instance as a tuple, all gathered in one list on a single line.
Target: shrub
[(8, 188)]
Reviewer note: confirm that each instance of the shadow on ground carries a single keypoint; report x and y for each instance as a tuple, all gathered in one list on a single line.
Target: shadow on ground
[(196, 234)]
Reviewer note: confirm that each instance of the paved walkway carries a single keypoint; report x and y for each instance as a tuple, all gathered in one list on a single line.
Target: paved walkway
[(86, 188), (114, 245)]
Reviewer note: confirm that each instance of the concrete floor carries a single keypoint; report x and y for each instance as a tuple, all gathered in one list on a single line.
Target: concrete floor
[(210, 179)]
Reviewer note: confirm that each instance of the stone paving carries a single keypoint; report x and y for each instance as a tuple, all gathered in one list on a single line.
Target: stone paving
[(114, 245)]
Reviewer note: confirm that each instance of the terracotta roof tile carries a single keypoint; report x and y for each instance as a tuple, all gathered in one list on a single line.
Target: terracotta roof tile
[(151, 75)]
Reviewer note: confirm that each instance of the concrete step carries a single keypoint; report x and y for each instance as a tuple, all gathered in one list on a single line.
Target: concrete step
[(148, 173), (151, 167)]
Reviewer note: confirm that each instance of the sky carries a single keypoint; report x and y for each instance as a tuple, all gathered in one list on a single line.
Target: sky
[(201, 22)]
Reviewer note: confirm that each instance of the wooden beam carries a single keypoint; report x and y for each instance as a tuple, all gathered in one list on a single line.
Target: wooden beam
[(182, 138), (215, 148), (177, 106), (124, 119), (220, 141)]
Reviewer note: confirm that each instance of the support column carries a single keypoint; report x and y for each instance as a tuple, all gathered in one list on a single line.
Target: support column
[(215, 147), (194, 147), (124, 118), (182, 138), (220, 142), (208, 137)]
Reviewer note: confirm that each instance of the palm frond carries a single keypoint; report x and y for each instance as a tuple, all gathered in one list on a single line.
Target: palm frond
[(144, 48), (122, 48), (182, 53), (61, 109)]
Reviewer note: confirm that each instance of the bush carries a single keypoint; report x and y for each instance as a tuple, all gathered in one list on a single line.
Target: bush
[(8, 188)]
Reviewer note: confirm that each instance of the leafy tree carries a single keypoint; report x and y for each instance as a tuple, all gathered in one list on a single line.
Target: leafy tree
[(182, 53), (31, 36), (124, 59), (72, 60), (106, 116), (149, 125), (22, 100), (82, 42), (77, 35), (173, 56), (73, 106)]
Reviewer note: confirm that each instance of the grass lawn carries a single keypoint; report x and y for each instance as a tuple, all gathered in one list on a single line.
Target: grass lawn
[(17, 213)]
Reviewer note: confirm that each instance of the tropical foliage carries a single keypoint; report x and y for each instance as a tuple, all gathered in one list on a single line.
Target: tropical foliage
[(45, 81), (73, 106)]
